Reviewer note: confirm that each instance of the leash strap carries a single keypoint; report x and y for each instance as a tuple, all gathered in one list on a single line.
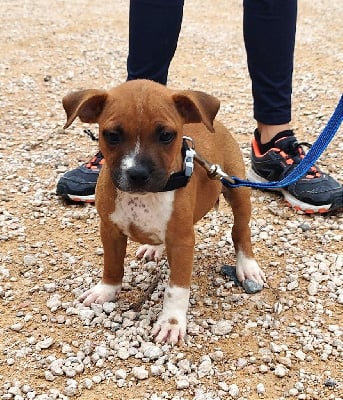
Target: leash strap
[(306, 163)]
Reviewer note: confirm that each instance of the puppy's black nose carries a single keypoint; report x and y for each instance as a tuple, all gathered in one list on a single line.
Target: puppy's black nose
[(138, 175)]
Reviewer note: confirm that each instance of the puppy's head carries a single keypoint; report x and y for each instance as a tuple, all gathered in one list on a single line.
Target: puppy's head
[(141, 128)]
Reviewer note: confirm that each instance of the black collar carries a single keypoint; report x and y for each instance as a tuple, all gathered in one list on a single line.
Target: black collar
[(181, 178)]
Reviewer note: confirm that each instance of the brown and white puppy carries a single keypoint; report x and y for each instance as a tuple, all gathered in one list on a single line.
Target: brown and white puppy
[(141, 125)]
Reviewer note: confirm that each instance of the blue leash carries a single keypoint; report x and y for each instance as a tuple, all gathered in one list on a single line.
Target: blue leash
[(306, 163)]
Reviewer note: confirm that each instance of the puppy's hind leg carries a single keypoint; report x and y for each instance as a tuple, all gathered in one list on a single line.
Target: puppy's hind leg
[(247, 267)]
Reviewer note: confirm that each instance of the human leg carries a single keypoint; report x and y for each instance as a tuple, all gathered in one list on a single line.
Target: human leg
[(269, 35), (154, 27)]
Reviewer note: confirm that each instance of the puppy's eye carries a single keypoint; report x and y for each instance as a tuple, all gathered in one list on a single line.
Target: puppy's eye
[(113, 137), (166, 137)]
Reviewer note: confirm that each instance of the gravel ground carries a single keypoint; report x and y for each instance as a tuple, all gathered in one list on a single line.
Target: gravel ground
[(282, 343)]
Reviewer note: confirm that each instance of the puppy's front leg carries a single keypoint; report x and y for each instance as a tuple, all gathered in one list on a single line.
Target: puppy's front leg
[(172, 322), (114, 245)]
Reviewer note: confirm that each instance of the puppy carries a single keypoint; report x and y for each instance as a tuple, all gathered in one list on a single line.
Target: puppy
[(139, 194)]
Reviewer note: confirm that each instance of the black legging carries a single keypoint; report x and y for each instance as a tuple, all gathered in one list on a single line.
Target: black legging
[(269, 35)]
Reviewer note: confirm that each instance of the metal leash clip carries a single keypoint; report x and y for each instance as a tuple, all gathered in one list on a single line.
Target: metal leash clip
[(188, 163), (214, 171)]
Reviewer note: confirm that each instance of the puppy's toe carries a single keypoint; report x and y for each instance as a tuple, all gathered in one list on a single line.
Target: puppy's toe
[(149, 252), (100, 293), (169, 332)]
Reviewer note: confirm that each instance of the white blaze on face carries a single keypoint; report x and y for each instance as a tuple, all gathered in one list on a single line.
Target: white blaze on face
[(129, 160)]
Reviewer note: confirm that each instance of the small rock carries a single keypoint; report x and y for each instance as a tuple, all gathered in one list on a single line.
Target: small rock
[(312, 288), (120, 374), (123, 354), (54, 302), (88, 383), (17, 327), (70, 390), (205, 368), (49, 287), (230, 272), (182, 383), (108, 307), (96, 379), (260, 389), (153, 352), (293, 392), (280, 371), (49, 376), (217, 355), (304, 227), (56, 367), (234, 390), (331, 383), (86, 314), (140, 373), (250, 286), (156, 370), (221, 328), (223, 386), (300, 355), (101, 351), (30, 260), (45, 344), (292, 285)]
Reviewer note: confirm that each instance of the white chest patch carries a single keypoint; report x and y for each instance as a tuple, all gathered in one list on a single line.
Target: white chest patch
[(149, 212)]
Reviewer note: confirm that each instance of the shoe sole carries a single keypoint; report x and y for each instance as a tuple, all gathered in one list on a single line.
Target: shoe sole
[(290, 200), (80, 199)]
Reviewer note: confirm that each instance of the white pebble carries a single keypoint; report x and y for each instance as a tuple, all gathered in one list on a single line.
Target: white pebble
[(120, 374), (17, 327), (86, 314), (153, 352), (221, 328), (182, 383), (234, 390), (300, 355), (30, 260), (292, 285), (312, 288), (45, 344), (260, 388), (140, 373), (123, 354), (101, 351), (88, 383), (280, 371), (205, 368)]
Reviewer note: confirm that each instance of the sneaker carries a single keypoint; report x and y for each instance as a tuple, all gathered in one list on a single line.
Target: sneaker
[(316, 192), (79, 183)]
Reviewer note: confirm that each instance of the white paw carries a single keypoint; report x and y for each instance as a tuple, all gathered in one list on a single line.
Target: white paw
[(247, 268), (149, 252), (171, 324), (169, 331), (100, 293)]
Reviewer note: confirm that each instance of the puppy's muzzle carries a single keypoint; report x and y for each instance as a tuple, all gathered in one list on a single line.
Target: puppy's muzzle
[(138, 176)]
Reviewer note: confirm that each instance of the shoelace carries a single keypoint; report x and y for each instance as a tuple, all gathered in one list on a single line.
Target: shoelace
[(96, 162), (293, 153)]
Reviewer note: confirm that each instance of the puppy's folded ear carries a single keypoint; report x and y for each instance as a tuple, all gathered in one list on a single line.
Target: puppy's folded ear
[(85, 104), (195, 106)]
